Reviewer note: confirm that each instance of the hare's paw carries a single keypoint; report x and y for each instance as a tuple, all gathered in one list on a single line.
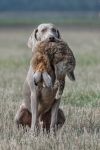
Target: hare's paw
[(37, 77), (47, 79), (58, 95)]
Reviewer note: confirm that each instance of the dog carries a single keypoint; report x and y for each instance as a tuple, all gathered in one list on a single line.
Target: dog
[(32, 95)]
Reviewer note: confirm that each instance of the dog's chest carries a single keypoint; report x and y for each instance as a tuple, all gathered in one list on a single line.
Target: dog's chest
[(46, 100)]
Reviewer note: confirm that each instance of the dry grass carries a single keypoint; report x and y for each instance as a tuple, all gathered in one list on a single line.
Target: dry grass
[(80, 102)]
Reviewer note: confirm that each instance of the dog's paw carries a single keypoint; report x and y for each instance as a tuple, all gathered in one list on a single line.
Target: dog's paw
[(37, 77), (47, 79)]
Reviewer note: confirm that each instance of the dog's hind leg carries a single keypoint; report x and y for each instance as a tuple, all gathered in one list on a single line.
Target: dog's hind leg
[(25, 104)]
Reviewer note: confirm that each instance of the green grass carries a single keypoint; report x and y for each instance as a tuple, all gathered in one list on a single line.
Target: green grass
[(78, 21), (80, 100)]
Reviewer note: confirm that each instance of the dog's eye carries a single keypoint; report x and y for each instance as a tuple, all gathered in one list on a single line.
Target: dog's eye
[(44, 30), (53, 30)]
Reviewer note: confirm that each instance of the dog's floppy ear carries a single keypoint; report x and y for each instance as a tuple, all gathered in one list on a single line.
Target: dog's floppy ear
[(59, 37), (32, 39)]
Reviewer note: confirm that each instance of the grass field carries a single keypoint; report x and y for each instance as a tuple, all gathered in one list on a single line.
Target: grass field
[(80, 101), (68, 18)]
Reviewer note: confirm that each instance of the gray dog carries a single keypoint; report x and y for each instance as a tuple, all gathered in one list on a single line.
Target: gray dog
[(31, 93)]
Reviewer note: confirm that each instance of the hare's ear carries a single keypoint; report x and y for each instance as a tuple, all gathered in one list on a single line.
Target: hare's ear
[(59, 37), (32, 39)]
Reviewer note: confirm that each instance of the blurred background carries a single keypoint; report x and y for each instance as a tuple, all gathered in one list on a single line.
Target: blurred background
[(62, 12)]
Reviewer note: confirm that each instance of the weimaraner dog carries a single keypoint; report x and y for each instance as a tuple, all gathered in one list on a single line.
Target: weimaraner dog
[(35, 98)]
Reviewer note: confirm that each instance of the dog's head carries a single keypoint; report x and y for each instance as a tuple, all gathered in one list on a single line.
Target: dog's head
[(44, 32)]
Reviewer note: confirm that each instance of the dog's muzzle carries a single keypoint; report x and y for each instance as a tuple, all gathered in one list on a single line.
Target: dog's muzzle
[(52, 39)]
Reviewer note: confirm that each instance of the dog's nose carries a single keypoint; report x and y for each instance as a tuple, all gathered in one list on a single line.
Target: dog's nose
[(51, 38)]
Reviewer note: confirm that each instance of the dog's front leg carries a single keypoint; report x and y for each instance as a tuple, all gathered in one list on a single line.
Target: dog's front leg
[(34, 99), (34, 108), (54, 114)]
